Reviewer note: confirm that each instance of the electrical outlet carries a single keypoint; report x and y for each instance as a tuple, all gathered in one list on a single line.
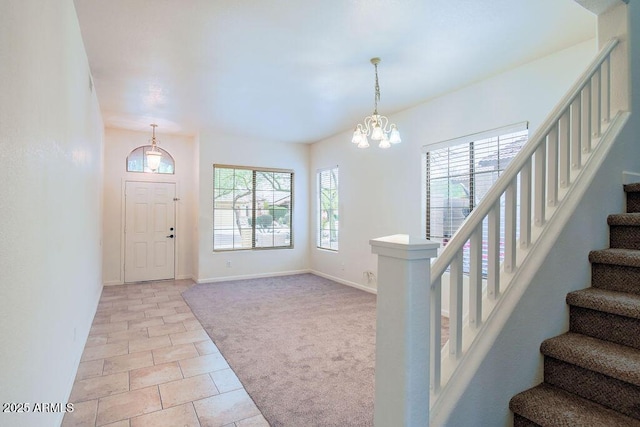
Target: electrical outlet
[(228, 264), (370, 276)]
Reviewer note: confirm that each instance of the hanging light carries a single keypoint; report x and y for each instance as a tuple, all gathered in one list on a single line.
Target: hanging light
[(376, 126), (154, 155)]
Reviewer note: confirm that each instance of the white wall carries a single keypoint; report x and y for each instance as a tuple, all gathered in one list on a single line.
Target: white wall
[(118, 145), (51, 154), (381, 191), (514, 362), (233, 150)]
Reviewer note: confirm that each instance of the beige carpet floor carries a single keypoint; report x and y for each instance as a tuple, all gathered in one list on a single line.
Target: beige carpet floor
[(303, 346)]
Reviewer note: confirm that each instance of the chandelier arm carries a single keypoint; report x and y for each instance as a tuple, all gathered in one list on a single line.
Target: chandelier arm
[(384, 124), (367, 125)]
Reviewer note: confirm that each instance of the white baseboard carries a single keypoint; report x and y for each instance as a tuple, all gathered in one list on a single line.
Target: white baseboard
[(120, 282), (251, 276), (345, 282), (113, 283), (288, 273)]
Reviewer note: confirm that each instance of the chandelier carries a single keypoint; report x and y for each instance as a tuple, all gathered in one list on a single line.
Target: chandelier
[(154, 155), (376, 126)]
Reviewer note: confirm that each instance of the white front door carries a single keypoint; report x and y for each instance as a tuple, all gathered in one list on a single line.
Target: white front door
[(149, 231)]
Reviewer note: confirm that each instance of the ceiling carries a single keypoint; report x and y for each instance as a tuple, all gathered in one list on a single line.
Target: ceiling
[(299, 70)]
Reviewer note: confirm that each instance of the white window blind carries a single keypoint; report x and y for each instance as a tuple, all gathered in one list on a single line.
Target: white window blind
[(460, 172), (252, 208), (328, 216)]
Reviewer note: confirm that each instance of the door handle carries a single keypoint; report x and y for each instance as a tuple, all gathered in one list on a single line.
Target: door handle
[(170, 236)]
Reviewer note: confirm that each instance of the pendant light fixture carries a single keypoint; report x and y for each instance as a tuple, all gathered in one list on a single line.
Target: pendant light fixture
[(376, 126), (154, 155)]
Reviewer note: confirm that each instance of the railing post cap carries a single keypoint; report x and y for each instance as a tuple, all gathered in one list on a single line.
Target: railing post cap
[(404, 246)]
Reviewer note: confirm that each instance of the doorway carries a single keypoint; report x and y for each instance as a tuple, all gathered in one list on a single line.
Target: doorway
[(149, 230)]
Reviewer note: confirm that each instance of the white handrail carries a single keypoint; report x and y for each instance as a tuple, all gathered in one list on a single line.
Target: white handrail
[(544, 165), (509, 174)]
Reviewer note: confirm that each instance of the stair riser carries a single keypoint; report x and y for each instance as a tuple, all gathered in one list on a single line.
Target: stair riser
[(610, 392), (633, 202), (616, 278), (624, 236), (605, 326), (519, 421)]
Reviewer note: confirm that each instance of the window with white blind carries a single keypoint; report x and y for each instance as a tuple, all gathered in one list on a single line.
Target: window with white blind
[(458, 173), (252, 208), (328, 217)]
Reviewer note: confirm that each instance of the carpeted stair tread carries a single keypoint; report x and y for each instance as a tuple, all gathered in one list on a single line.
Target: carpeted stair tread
[(604, 326), (616, 256), (619, 303), (633, 197), (632, 188), (616, 277), (592, 372), (614, 360), (549, 406), (624, 230), (599, 388), (627, 219)]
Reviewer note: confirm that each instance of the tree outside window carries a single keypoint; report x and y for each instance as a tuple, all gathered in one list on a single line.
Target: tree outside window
[(252, 208)]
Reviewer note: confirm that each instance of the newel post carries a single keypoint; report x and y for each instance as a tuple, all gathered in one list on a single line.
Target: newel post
[(402, 330)]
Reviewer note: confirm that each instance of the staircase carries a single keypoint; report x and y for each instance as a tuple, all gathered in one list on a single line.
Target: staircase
[(592, 373)]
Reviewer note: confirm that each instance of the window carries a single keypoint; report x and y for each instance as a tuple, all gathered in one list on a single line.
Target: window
[(137, 161), (328, 218), (252, 208), (459, 173)]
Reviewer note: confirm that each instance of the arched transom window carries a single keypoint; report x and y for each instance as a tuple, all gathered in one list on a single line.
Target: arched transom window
[(137, 161)]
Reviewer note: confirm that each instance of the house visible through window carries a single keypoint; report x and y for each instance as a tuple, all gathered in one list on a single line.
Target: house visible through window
[(459, 173), (252, 208), (328, 217)]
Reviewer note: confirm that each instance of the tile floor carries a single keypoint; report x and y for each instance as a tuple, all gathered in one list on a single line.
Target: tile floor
[(149, 362)]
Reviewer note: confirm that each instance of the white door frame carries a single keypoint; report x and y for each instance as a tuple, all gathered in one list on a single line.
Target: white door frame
[(169, 179)]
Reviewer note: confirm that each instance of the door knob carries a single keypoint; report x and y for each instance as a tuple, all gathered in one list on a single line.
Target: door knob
[(170, 236)]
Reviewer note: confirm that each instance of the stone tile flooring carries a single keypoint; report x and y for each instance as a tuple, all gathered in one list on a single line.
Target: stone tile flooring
[(148, 362)]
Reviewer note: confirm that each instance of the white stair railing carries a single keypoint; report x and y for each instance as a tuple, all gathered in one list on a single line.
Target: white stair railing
[(417, 382), (539, 177)]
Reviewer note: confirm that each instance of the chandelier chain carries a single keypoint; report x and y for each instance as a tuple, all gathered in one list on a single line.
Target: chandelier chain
[(153, 137), (154, 155), (376, 126), (377, 91)]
